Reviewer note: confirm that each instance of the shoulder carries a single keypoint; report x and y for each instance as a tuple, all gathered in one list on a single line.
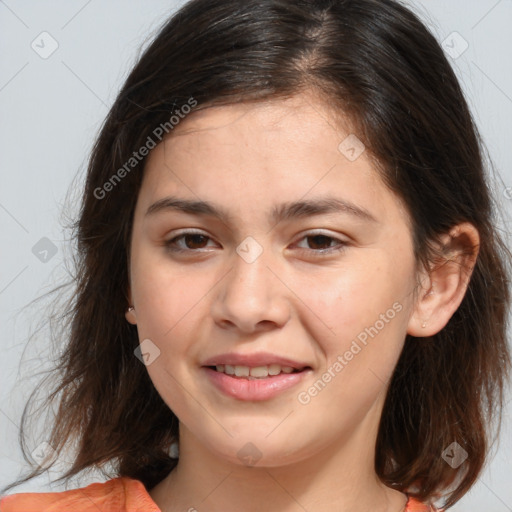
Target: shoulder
[(117, 495), (414, 505)]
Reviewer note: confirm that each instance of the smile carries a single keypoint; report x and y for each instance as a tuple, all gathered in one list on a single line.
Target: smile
[(242, 385)]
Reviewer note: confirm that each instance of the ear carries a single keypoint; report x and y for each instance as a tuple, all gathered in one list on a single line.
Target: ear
[(443, 286), (130, 310)]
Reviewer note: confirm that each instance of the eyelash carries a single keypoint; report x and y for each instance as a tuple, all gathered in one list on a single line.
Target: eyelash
[(170, 244)]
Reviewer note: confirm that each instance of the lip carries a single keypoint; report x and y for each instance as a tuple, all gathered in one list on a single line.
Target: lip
[(254, 360), (242, 388)]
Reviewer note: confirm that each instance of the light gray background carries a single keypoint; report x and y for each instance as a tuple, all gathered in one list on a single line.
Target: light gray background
[(52, 108)]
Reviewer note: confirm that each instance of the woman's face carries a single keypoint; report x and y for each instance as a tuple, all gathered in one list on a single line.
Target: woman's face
[(308, 264)]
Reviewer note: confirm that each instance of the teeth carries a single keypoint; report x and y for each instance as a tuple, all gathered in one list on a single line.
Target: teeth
[(274, 369), (259, 372), (242, 371)]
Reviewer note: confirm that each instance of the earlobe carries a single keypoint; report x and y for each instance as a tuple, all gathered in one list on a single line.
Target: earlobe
[(447, 282), (130, 315), (130, 310), (419, 322)]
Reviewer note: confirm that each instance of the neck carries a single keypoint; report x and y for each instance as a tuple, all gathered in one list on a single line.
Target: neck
[(340, 477)]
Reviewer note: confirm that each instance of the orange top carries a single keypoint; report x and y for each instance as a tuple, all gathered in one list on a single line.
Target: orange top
[(117, 495)]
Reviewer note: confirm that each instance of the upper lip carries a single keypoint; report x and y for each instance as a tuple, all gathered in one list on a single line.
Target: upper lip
[(253, 360)]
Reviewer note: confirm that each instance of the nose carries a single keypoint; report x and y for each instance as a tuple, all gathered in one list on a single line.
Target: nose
[(251, 297)]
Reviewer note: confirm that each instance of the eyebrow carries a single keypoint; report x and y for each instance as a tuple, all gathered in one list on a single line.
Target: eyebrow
[(284, 211)]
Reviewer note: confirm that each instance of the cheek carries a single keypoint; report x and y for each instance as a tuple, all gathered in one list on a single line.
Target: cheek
[(163, 292), (168, 308), (354, 296), (363, 315), (167, 302)]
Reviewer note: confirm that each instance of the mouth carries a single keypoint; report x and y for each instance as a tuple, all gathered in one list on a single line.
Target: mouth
[(256, 372), (254, 383)]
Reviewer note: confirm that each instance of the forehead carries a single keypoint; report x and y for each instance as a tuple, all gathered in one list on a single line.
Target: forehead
[(254, 154), (302, 120)]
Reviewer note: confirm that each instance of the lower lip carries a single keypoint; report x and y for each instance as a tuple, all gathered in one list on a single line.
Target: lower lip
[(258, 389)]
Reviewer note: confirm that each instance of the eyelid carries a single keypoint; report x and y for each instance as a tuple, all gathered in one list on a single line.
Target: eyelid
[(341, 245), (182, 233), (320, 232)]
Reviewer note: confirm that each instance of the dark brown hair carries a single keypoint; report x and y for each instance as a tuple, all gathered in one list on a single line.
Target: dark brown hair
[(376, 63)]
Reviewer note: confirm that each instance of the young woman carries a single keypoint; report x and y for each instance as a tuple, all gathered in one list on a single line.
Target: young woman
[(290, 292)]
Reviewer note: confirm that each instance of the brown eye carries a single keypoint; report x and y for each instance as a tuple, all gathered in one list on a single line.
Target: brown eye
[(319, 240), (193, 241), (321, 244), (188, 241)]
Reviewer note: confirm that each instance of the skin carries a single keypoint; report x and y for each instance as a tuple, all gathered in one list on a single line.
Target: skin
[(290, 301)]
